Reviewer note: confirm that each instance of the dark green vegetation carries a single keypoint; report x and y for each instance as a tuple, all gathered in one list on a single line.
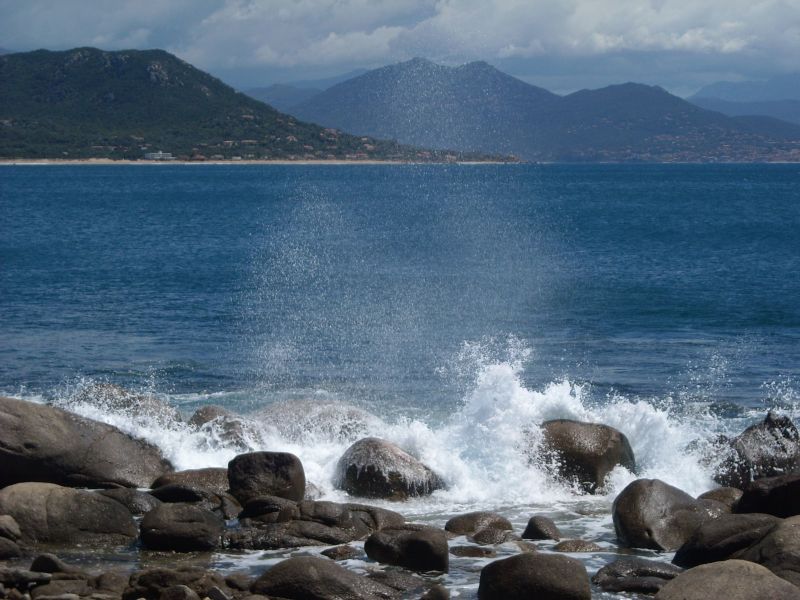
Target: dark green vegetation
[(89, 103), (478, 108)]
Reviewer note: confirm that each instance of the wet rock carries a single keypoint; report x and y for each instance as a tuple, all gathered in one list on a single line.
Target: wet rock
[(182, 528), (269, 509), (778, 550), (313, 523), (404, 582), (766, 449), (341, 553), (482, 527), (214, 480), (541, 528), (727, 496), (150, 583), (116, 399), (534, 575), (437, 592), (585, 453), (9, 528), (649, 513), (9, 549), (179, 493), (266, 474), (178, 592), (239, 581), (472, 552), (374, 468), (772, 495), (421, 550), (47, 444), (223, 428), (62, 587), (635, 575), (137, 503), (335, 421), (50, 563), (731, 580), (723, 538), (314, 578), (49, 513), (577, 546), (13, 577), (313, 492)]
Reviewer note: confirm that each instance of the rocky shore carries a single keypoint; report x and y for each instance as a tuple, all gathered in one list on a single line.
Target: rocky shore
[(89, 512)]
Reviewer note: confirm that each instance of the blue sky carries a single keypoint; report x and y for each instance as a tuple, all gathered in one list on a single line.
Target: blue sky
[(563, 45)]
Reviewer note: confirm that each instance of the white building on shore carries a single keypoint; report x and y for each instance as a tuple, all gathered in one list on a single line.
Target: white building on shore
[(159, 156)]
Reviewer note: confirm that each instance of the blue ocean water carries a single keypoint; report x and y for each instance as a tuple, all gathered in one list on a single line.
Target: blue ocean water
[(379, 284), (448, 309)]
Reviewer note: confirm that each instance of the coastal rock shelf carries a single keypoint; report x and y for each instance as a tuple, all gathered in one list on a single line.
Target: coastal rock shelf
[(185, 532)]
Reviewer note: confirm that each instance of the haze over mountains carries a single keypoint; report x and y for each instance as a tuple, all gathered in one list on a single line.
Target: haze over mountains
[(479, 108), (778, 97)]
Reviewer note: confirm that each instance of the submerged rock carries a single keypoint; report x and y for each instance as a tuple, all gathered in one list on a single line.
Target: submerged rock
[(576, 546), (541, 528), (585, 453), (649, 513), (151, 583), (266, 474), (418, 549), (635, 575), (49, 513), (766, 449), (375, 468), (226, 429), (317, 419), (534, 575), (47, 444), (182, 528), (731, 580), (116, 399)]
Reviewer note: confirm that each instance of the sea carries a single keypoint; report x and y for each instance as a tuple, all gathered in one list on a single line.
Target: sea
[(449, 309)]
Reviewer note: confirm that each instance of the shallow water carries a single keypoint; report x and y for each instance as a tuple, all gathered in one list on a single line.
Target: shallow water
[(456, 307)]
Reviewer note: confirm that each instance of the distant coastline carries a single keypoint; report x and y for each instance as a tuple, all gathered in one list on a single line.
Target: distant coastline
[(110, 161)]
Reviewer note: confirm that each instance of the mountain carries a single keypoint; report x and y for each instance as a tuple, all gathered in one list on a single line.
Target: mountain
[(91, 103), (786, 110), (782, 87), (282, 96), (475, 107)]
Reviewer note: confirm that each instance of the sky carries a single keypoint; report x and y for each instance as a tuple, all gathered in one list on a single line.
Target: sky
[(563, 45)]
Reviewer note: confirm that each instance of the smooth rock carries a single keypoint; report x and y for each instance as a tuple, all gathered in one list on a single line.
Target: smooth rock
[(50, 563), (723, 538), (728, 580), (482, 527), (178, 592), (9, 528), (779, 496), (778, 550), (150, 583), (541, 528), (314, 578), (266, 474), (9, 549), (375, 468), (635, 575), (137, 503), (212, 479), (182, 528), (534, 575), (48, 513), (585, 453), (421, 550), (225, 429), (766, 449), (727, 496), (47, 444), (649, 513)]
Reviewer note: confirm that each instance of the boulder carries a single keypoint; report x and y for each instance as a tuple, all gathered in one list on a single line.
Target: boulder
[(374, 468), (178, 592), (50, 563), (534, 575), (214, 480), (116, 399), (471, 523), (22, 578), (138, 503), (584, 453), (766, 449), (48, 513), (576, 546), (341, 552), (472, 552), (541, 528), (727, 496), (649, 513), (778, 550), (47, 444), (9, 528), (150, 583), (779, 496), (723, 538), (223, 428), (635, 575), (731, 580), (311, 523), (314, 578), (9, 549), (182, 528), (266, 474), (422, 549)]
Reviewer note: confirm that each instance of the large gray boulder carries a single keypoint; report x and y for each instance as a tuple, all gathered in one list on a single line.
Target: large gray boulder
[(181, 528), (731, 580), (418, 549), (723, 538), (585, 453), (313, 578), (649, 513), (766, 449), (779, 496), (534, 575), (44, 443), (48, 513), (211, 479), (266, 474), (779, 550), (375, 468)]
